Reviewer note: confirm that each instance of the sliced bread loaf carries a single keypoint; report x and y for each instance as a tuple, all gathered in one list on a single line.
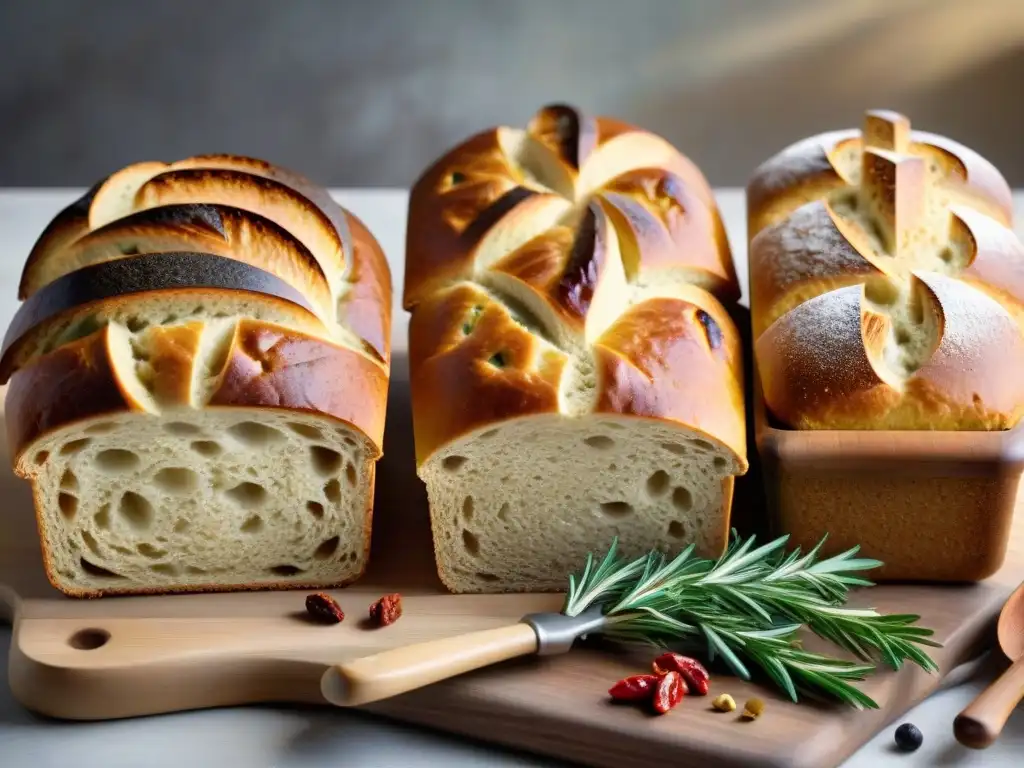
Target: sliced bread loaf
[(192, 420), (575, 373)]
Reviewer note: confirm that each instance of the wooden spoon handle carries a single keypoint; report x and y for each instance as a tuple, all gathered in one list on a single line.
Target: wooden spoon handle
[(980, 724), (399, 670)]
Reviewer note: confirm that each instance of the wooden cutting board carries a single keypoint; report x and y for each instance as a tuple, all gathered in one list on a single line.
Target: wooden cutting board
[(123, 657)]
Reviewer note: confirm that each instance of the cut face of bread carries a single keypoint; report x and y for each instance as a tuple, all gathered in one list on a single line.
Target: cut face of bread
[(521, 504), (220, 498)]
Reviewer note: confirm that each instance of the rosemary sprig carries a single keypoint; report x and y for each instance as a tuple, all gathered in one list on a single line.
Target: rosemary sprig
[(748, 607)]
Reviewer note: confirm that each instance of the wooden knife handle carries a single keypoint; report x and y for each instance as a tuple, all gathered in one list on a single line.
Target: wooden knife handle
[(399, 670), (980, 724)]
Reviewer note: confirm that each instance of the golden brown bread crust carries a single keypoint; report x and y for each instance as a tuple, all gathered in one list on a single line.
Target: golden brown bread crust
[(244, 208), (65, 228), (803, 171), (127, 287), (997, 266), (278, 202), (266, 366), (472, 178), (562, 270), (129, 180), (274, 367), (886, 288), (809, 391), (72, 383), (472, 365), (367, 306), (305, 211), (658, 218), (678, 361), (481, 186), (316, 194), (567, 133), (216, 229)]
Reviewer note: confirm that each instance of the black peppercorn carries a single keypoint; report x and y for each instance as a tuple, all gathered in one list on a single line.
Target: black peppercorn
[(908, 737)]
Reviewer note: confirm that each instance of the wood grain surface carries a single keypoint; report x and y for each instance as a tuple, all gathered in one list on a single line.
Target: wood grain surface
[(124, 657)]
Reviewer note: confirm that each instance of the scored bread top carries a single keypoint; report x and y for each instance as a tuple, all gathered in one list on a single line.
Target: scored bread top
[(247, 363), (344, 276), (215, 229), (508, 201), (814, 167), (80, 302), (887, 290), (577, 266), (173, 266)]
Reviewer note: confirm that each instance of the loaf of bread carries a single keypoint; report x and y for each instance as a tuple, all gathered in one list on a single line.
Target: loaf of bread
[(576, 373), (197, 380), (887, 288)]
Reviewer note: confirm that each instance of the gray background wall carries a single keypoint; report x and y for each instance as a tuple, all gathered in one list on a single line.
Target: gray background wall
[(366, 93)]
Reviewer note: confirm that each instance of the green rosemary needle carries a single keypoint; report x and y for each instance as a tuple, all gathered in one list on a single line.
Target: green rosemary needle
[(748, 607)]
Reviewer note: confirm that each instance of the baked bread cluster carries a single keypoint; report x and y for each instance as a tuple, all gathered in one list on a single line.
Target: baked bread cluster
[(887, 285), (197, 380), (575, 371)]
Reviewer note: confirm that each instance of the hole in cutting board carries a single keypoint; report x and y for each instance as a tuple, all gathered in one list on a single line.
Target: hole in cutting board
[(89, 639)]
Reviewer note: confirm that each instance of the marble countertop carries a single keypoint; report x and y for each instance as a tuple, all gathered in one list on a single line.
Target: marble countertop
[(284, 737)]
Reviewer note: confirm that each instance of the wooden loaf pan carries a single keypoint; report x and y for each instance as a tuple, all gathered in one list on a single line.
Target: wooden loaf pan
[(932, 506)]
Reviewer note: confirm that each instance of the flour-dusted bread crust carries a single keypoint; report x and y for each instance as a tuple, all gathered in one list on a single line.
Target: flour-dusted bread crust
[(887, 289), (209, 418), (813, 168), (575, 373)]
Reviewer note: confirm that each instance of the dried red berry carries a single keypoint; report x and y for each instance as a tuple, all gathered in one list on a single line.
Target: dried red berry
[(324, 608), (669, 692), (698, 681), (386, 610), (635, 688)]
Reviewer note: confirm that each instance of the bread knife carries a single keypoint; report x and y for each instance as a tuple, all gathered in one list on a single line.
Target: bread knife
[(399, 670)]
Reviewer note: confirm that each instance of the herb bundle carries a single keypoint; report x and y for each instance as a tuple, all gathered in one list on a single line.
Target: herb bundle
[(747, 607)]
